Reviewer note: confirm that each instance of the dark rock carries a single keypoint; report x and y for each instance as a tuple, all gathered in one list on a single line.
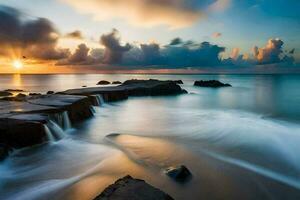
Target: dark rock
[(21, 133), (152, 87), (83, 86), (14, 90), (78, 107), (180, 174), (34, 94), (131, 88), (177, 81), (22, 123), (50, 92), (19, 97), (128, 188), (5, 93), (3, 151), (103, 82), (211, 83), (117, 82)]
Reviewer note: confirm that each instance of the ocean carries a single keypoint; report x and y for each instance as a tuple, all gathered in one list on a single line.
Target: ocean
[(240, 142)]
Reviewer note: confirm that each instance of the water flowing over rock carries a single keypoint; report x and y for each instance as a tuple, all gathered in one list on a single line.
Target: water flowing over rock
[(211, 83), (97, 99), (40, 119), (132, 189), (35, 119)]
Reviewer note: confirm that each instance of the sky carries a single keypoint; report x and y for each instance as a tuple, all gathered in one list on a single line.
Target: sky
[(160, 36)]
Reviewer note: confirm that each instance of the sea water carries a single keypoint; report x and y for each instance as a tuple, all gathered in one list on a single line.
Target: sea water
[(239, 143)]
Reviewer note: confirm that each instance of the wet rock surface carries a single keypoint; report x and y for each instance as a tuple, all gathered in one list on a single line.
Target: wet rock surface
[(179, 174), (211, 83), (128, 188)]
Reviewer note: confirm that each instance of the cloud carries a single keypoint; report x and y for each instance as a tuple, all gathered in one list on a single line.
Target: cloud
[(269, 54), (178, 54), (216, 35), (114, 51), (75, 35), (176, 41), (35, 38), (173, 13), (235, 53)]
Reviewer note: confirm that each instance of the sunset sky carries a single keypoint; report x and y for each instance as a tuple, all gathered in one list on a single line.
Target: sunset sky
[(110, 36)]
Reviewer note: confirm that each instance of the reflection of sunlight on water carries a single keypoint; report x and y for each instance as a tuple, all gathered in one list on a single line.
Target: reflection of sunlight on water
[(17, 80)]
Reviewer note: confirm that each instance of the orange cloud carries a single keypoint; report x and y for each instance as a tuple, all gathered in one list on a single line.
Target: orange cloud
[(173, 13)]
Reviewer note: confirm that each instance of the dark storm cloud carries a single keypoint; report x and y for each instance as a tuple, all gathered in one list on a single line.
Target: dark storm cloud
[(75, 35), (176, 41), (181, 54), (36, 38), (114, 51)]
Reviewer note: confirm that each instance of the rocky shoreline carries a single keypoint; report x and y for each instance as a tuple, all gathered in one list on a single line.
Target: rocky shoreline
[(24, 119), (34, 119)]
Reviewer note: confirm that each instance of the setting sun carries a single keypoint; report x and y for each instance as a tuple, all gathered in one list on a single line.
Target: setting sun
[(17, 64)]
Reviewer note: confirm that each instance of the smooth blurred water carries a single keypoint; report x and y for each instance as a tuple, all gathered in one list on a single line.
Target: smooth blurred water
[(239, 143)]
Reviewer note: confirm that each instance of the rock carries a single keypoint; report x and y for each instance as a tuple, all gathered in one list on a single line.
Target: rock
[(152, 87), (5, 93), (117, 82), (78, 107), (128, 188), (19, 97), (22, 123), (3, 151), (34, 94), (180, 174), (131, 88), (14, 90), (211, 83), (21, 133), (83, 86), (103, 82), (177, 81), (50, 92)]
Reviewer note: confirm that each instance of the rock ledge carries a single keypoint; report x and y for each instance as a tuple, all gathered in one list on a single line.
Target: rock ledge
[(128, 188)]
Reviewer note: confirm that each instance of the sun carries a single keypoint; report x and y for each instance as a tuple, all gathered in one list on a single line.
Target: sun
[(17, 64)]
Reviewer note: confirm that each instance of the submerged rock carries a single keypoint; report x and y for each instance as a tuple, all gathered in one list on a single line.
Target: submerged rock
[(180, 174), (211, 83), (128, 188), (5, 93), (103, 82)]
